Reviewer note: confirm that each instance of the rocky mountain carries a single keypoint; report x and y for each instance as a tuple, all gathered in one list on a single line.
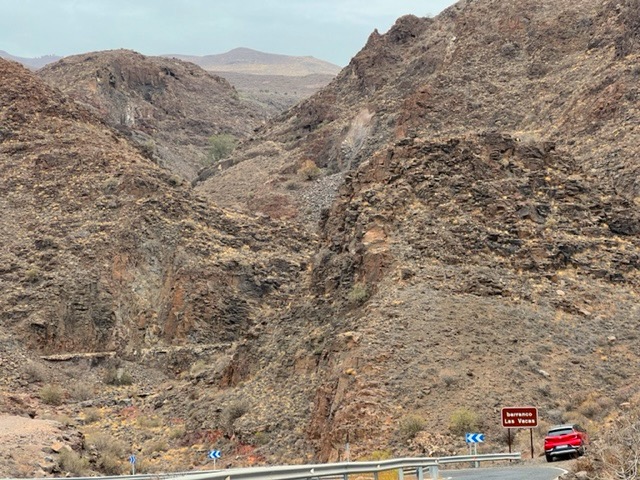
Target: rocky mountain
[(102, 250), (475, 176), (558, 72), (276, 82), (254, 62), (462, 235), (31, 63), (168, 107)]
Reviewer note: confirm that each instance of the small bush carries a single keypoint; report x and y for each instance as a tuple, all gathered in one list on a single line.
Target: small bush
[(112, 465), (590, 409), (261, 438), (92, 415), (81, 392), (33, 275), (149, 422), (231, 413), (463, 421), (148, 148), (221, 146), (73, 463), (177, 432), (410, 426), (309, 170), (155, 445), (292, 185), (35, 372), (52, 394), (108, 448), (117, 377), (449, 378), (110, 185), (358, 294), (198, 367)]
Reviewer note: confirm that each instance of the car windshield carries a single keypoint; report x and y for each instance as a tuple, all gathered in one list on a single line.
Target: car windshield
[(560, 431)]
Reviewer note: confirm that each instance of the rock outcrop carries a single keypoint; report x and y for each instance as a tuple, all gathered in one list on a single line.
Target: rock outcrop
[(169, 108), (103, 250)]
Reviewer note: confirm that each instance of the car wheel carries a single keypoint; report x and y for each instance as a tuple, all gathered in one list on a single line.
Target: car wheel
[(549, 458)]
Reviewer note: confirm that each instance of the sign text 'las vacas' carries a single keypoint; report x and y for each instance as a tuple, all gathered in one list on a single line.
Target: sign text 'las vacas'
[(519, 417)]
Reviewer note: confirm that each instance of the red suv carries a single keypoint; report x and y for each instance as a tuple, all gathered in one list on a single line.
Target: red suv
[(569, 439)]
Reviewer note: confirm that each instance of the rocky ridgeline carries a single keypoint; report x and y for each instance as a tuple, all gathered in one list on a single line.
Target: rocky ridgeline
[(475, 178), (168, 108)]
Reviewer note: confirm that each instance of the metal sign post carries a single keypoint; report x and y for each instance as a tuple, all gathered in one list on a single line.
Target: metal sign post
[(519, 417), (132, 461), (474, 438), (214, 455)]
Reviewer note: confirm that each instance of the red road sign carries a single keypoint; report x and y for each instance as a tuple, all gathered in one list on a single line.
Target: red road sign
[(519, 417)]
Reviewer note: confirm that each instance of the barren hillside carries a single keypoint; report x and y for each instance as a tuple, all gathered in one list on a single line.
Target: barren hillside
[(463, 235), (168, 107), (542, 71)]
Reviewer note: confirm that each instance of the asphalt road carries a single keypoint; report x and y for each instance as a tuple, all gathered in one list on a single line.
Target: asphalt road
[(507, 473)]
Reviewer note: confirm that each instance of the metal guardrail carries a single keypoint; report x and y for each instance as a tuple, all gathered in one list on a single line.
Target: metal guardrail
[(343, 470), (321, 471)]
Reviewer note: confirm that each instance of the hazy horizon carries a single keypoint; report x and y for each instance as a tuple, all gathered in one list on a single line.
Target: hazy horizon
[(330, 30)]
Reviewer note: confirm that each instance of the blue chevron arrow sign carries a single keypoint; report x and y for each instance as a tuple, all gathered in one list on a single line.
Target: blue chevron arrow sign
[(214, 454), (474, 437)]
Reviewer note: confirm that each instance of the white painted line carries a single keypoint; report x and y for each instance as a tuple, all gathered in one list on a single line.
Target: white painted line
[(562, 470)]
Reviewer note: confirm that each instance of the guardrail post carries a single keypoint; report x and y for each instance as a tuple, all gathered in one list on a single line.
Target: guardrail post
[(375, 475), (345, 476), (434, 472), (400, 474), (420, 473)]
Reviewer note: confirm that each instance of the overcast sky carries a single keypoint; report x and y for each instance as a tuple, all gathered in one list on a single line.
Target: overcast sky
[(332, 30)]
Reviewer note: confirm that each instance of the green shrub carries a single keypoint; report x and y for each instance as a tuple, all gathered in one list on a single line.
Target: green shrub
[(221, 146), (463, 421), (261, 438), (52, 394), (359, 293), (410, 426)]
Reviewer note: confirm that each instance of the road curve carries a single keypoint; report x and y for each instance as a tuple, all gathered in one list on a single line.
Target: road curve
[(507, 473)]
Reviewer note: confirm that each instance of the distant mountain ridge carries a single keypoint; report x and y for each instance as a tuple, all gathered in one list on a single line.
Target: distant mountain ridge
[(31, 63), (238, 60), (246, 60)]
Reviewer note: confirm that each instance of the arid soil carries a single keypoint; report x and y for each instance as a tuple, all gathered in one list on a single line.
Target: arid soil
[(448, 228)]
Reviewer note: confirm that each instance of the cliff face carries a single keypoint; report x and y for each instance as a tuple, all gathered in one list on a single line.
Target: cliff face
[(478, 242), (489, 272), (168, 107), (538, 70), (478, 216), (103, 250)]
